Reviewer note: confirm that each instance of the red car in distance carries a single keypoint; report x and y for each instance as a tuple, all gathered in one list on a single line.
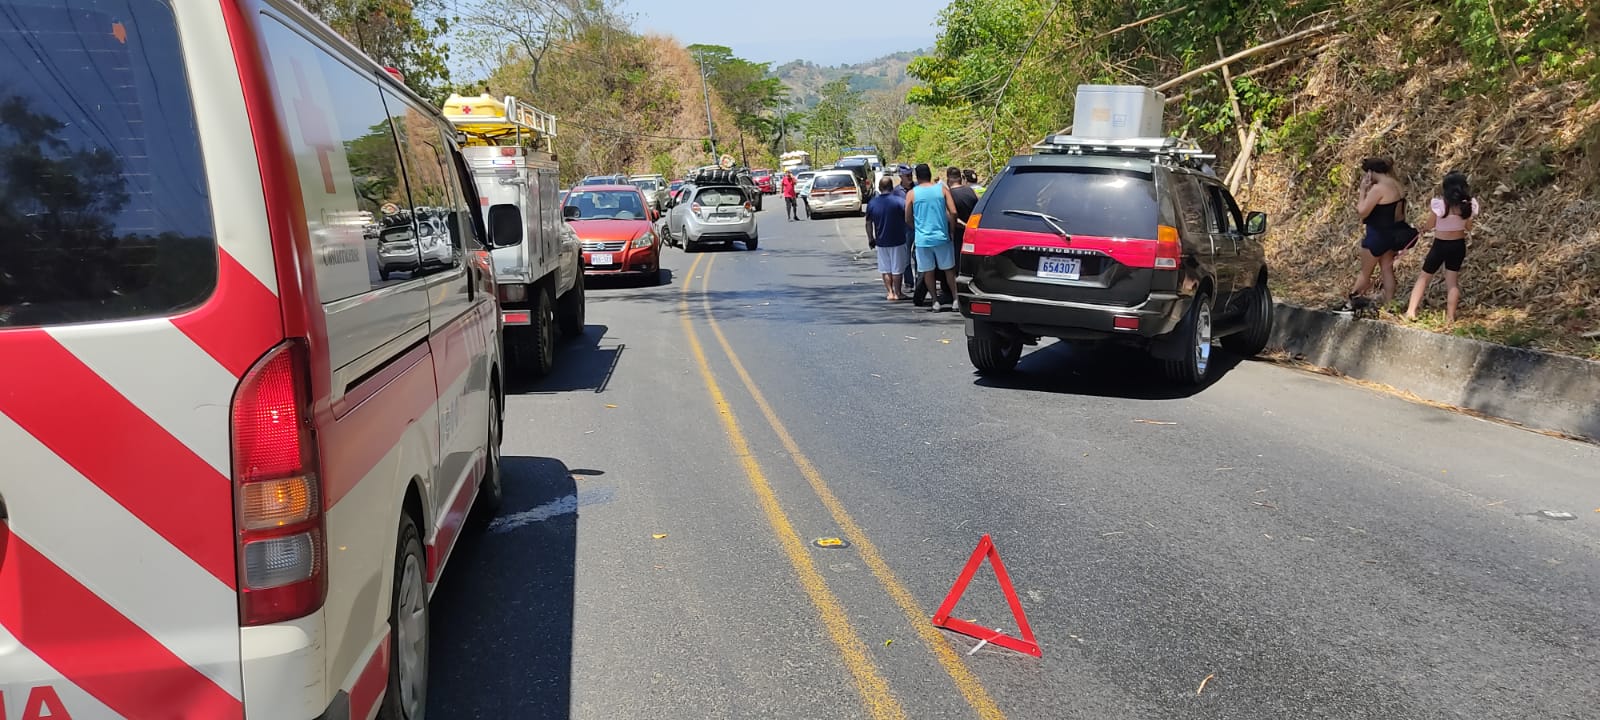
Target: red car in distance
[(764, 181)]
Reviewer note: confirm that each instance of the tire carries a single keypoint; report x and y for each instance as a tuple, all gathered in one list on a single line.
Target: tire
[(691, 247), (751, 244), (407, 695), (1258, 328), (1194, 337), (383, 275), (661, 277), (992, 353), (571, 312), (533, 346), (491, 493)]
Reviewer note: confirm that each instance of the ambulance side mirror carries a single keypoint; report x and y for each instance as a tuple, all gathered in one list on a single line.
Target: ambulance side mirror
[(505, 225)]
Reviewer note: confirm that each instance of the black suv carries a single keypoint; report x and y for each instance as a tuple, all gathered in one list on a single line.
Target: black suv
[(1134, 244)]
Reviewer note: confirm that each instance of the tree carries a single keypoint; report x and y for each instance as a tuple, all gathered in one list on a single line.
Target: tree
[(882, 114), (832, 121), (532, 27), (396, 34)]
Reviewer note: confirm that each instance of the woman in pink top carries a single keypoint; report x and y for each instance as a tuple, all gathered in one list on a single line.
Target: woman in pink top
[(1450, 217)]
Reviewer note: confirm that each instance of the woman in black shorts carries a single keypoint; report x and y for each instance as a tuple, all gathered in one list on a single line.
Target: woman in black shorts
[(1450, 218), (1381, 204)]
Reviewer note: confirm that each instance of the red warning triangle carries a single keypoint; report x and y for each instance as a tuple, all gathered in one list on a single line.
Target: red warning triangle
[(941, 618)]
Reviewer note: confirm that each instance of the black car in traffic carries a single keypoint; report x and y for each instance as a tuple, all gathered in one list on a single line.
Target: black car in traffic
[(1134, 243)]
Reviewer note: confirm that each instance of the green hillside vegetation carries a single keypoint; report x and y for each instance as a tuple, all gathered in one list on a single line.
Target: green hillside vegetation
[(1506, 90)]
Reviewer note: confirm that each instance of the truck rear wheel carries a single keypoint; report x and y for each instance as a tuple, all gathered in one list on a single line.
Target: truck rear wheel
[(571, 313), (532, 346)]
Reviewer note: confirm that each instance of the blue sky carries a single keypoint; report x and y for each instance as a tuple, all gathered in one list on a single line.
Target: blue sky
[(825, 32)]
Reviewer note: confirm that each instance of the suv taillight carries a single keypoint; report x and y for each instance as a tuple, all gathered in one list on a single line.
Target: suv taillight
[(277, 495), (1169, 252)]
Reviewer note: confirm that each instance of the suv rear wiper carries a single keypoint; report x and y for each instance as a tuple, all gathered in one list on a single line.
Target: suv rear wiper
[(1051, 220)]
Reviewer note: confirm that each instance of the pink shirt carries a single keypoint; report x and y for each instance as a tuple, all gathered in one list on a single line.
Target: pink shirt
[(1450, 223)]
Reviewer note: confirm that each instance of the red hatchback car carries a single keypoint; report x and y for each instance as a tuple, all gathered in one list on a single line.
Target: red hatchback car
[(617, 228), (764, 181)]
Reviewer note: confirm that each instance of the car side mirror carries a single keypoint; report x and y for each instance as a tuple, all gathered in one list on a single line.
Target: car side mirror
[(570, 212), (505, 225), (654, 215), (1255, 223)]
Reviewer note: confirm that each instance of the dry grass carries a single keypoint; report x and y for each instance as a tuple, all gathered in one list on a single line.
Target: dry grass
[(1533, 270)]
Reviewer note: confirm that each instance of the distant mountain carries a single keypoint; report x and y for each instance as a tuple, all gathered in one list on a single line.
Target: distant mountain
[(805, 79)]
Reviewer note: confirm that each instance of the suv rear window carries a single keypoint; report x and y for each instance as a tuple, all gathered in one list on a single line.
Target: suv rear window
[(1088, 201), (106, 214)]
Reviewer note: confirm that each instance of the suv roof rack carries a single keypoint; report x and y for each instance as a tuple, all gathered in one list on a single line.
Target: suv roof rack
[(1166, 150)]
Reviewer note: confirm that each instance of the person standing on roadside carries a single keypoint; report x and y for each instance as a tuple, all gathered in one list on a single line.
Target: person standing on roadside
[(929, 210), (1381, 206), (1450, 218), (790, 196), (965, 198), (906, 183), (886, 233)]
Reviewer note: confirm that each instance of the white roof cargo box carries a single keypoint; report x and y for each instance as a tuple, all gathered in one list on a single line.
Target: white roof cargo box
[(1114, 112)]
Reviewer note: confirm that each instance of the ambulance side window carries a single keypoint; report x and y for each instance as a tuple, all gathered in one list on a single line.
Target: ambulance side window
[(426, 165)]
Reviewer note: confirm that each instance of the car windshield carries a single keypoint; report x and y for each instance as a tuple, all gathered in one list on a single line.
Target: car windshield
[(832, 181), (646, 184), (607, 205), (598, 181), (761, 173), (1087, 201), (719, 197)]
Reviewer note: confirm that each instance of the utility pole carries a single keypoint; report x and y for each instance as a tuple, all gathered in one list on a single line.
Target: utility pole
[(783, 123), (705, 87)]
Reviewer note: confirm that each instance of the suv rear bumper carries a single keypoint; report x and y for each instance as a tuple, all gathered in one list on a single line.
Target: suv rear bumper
[(1158, 315)]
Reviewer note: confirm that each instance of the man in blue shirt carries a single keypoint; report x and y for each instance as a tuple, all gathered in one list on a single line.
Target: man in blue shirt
[(930, 210), (886, 231)]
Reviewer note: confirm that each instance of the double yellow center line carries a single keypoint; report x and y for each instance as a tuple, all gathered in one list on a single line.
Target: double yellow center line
[(869, 681)]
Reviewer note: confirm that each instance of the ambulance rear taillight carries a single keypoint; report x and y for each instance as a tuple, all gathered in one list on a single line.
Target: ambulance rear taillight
[(277, 496)]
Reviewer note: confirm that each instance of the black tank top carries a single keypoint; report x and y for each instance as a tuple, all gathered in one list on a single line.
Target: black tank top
[(1382, 216)]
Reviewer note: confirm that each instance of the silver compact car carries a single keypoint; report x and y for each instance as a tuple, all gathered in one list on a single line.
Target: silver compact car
[(713, 214), (834, 192)]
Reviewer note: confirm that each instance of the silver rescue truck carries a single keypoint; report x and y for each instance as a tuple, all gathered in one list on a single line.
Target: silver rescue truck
[(537, 256)]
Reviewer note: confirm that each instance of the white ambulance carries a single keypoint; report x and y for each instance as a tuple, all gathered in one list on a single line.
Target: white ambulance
[(236, 453)]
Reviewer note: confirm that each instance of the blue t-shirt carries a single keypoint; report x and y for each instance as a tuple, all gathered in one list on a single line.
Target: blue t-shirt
[(932, 226), (888, 216)]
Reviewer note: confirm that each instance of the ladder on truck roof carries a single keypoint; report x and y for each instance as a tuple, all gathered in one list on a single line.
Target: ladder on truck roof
[(486, 121)]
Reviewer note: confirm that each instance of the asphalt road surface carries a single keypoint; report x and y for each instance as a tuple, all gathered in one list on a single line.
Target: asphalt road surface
[(1276, 545)]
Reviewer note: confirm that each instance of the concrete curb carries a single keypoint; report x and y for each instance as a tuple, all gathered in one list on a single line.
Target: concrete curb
[(1535, 389)]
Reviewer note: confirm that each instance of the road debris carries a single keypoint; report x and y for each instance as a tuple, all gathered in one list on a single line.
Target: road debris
[(1555, 515), (611, 407), (945, 340), (1155, 422), (1202, 687), (887, 643), (658, 536), (1266, 505), (1115, 532)]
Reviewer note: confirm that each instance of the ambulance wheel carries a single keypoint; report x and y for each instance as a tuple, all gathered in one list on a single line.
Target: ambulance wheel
[(407, 695), (571, 313)]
